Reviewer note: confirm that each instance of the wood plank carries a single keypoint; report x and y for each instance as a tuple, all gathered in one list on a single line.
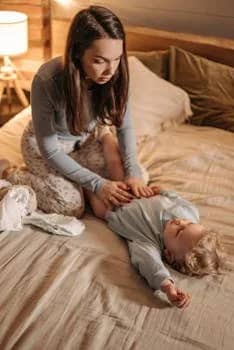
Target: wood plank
[(46, 30), (67, 11), (39, 27), (33, 11), (19, 2), (217, 49), (208, 7), (179, 22), (198, 17), (146, 39), (39, 21), (204, 7), (35, 18), (59, 34)]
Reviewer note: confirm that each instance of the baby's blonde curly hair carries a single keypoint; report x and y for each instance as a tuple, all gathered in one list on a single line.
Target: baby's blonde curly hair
[(206, 258)]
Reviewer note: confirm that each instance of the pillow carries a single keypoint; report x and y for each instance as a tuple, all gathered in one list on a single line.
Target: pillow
[(155, 103), (156, 61), (210, 86)]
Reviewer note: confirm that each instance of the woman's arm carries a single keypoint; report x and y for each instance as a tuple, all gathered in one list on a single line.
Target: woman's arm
[(127, 143), (128, 148), (43, 122)]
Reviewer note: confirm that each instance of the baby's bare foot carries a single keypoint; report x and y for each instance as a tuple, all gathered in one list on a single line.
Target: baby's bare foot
[(8, 171), (4, 164), (6, 168)]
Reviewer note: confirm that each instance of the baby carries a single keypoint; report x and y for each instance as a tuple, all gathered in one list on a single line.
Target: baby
[(165, 225)]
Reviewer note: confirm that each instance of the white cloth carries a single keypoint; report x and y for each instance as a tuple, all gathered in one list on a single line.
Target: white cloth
[(4, 184), (10, 216), (56, 223), (16, 202), (18, 206)]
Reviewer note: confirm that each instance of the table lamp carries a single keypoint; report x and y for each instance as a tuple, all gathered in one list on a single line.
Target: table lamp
[(13, 42)]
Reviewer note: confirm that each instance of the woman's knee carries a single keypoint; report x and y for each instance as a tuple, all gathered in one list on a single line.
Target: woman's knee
[(67, 200), (53, 205), (76, 210), (54, 194)]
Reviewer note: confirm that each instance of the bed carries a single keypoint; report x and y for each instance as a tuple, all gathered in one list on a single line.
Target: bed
[(82, 292)]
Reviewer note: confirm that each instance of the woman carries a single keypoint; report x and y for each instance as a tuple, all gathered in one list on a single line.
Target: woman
[(69, 147)]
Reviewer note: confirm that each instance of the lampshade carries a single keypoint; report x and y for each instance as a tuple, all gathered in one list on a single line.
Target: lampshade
[(13, 33)]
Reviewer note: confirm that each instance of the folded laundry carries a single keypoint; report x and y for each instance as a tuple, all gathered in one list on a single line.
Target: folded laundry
[(16, 202), (18, 206), (55, 223)]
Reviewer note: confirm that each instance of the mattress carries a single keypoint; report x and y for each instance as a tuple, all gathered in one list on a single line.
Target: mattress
[(82, 292)]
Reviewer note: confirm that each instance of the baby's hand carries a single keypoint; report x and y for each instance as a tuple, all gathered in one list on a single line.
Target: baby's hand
[(156, 189), (176, 296)]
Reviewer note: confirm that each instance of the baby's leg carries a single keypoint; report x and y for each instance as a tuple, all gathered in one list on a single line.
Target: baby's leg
[(113, 163), (112, 156), (97, 205), (111, 152), (5, 166)]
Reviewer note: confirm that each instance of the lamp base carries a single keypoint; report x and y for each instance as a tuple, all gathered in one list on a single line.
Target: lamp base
[(8, 79)]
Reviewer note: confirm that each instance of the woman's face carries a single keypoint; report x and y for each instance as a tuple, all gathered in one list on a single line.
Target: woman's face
[(100, 61)]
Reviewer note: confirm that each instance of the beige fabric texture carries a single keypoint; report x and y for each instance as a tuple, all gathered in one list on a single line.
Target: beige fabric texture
[(210, 86), (156, 61), (83, 293), (155, 103)]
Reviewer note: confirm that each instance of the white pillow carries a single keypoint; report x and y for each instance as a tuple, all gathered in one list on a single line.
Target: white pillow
[(155, 103)]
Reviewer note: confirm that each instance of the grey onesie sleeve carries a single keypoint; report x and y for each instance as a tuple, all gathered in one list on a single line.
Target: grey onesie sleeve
[(146, 257)]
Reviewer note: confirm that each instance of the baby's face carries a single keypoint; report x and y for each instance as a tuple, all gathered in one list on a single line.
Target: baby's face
[(180, 236)]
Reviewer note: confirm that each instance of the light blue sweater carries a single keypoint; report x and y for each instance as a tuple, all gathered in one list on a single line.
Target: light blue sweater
[(49, 124), (142, 223)]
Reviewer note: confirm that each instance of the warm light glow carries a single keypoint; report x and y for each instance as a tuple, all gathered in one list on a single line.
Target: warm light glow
[(13, 33), (64, 2)]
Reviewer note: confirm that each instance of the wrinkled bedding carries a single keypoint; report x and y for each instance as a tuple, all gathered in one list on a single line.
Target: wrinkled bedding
[(82, 293)]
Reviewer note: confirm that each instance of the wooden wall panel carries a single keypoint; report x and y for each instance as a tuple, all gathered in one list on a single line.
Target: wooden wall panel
[(209, 7), (202, 17), (148, 39), (39, 30), (59, 34), (49, 21), (201, 24)]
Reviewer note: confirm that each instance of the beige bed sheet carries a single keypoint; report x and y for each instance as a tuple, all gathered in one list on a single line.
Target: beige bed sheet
[(82, 293)]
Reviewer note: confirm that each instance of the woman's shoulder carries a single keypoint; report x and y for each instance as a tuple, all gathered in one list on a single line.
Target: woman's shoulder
[(50, 69)]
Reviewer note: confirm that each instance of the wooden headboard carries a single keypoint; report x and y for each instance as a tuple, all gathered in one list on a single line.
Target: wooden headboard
[(146, 39)]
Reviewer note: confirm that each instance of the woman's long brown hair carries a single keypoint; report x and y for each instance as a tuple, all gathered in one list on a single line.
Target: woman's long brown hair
[(110, 99)]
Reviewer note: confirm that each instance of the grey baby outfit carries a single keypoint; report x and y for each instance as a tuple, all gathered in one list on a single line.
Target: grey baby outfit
[(142, 223)]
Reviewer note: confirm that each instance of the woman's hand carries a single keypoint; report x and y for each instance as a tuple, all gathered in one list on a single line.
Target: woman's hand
[(176, 296), (114, 193), (140, 189)]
